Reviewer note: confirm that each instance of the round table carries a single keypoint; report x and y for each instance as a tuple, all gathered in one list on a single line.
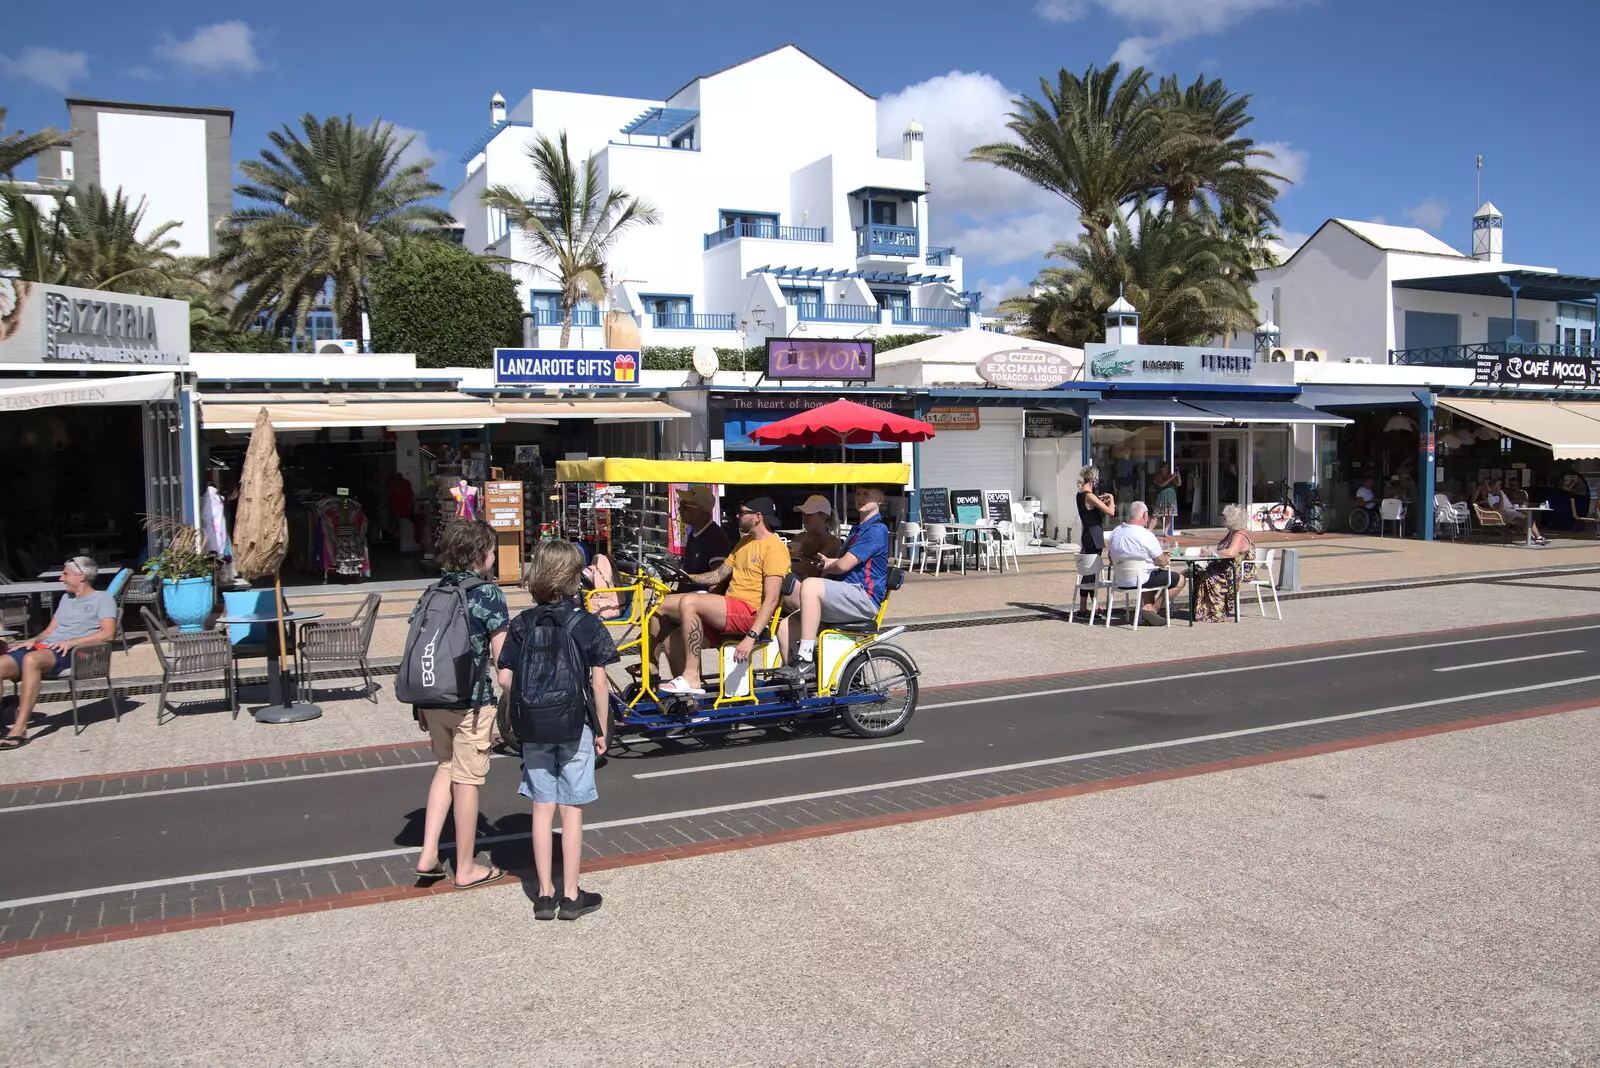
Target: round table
[(281, 709), (1528, 510), (1192, 564)]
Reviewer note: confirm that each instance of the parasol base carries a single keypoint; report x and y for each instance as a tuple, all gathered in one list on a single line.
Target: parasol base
[(290, 712)]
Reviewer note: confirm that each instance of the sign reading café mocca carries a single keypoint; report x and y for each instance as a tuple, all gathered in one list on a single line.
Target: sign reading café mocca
[(1506, 369), (1180, 363), (58, 325)]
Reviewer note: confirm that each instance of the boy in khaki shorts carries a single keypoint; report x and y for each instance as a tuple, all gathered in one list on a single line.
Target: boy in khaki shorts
[(462, 736)]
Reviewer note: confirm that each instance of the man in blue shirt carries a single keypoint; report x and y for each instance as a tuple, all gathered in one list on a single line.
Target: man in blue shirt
[(858, 591)]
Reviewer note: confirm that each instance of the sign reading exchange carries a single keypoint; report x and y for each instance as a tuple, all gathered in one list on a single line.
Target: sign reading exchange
[(1026, 369), (826, 359), (529, 367), (1505, 369)]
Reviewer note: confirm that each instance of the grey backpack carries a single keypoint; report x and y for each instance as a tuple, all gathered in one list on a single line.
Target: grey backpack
[(438, 668)]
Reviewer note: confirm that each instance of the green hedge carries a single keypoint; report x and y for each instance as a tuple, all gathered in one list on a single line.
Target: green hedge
[(451, 308)]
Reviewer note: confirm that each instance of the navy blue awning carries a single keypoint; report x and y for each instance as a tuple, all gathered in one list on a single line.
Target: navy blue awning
[(736, 427)]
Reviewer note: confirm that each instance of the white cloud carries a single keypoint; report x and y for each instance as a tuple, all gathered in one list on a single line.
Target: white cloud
[(994, 292), (418, 150), (221, 48), (1429, 215), (1293, 163), (1293, 239), (49, 67), (1013, 238), (1164, 22)]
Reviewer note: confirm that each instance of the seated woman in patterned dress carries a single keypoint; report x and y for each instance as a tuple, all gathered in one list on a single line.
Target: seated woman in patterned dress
[(1215, 585)]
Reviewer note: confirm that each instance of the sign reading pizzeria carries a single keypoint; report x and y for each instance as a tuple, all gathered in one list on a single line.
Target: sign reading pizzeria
[(1026, 368)]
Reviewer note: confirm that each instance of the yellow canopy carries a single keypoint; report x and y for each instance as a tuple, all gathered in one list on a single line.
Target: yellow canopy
[(733, 473)]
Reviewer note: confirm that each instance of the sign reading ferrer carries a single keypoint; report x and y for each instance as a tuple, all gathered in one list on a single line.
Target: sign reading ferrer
[(526, 367), (1180, 364)]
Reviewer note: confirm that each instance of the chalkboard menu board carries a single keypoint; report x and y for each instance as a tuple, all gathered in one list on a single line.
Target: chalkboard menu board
[(997, 503), (934, 505), (967, 505)]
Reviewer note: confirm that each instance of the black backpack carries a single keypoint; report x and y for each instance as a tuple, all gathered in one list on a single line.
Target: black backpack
[(438, 668), (550, 683)]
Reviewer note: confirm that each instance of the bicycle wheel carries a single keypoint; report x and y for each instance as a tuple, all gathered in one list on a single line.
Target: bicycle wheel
[(1278, 517), (1317, 521), (1360, 521)]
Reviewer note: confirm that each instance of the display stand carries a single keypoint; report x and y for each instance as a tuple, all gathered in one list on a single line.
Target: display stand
[(503, 508)]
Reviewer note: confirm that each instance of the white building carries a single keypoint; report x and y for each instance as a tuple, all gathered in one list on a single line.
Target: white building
[(776, 219)]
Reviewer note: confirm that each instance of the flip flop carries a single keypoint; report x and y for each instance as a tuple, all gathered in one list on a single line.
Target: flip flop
[(494, 875), (678, 688), (12, 741), (435, 872)]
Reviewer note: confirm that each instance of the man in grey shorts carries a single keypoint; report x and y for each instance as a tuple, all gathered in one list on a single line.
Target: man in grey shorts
[(84, 616), (855, 595)]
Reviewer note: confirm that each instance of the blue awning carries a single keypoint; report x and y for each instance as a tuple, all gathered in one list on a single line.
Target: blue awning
[(736, 427), (661, 122), (1154, 410), (1269, 412)]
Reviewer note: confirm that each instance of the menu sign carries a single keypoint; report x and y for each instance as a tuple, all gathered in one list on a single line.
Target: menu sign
[(998, 505), (502, 505), (934, 505), (1507, 369), (967, 505)]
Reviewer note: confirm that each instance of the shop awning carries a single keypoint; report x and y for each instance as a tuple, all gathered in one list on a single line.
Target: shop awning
[(600, 409), (736, 428), (313, 411), (21, 395), (1569, 429), (1269, 412), (1153, 410), (730, 472)]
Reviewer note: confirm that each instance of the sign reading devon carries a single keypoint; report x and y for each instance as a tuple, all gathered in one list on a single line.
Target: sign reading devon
[(819, 358)]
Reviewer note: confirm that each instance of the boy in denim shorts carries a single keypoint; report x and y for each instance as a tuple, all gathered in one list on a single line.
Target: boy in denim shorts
[(561, 774)]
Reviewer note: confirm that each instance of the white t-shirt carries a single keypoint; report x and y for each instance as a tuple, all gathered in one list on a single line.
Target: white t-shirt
[(1365, 495), (1131, 542)]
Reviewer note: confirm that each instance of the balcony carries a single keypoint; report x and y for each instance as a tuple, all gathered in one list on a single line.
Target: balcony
[(580, 317), (946, 317), (1467, 355), (884, 240), (939, 256), (690, 320), (766, 231), (812, 312)]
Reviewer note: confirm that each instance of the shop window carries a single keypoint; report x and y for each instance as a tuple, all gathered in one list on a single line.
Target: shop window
[(1430, 330), (1500, 330), (1128, 456)]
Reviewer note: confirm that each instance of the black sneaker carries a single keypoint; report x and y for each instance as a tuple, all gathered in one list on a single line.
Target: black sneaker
[(802, 674), (573, 907), (544, 908)]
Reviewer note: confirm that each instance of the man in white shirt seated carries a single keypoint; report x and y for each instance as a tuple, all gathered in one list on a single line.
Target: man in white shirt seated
[(1133, 540)]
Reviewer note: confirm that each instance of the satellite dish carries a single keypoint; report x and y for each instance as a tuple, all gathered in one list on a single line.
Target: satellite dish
[(705, 361)]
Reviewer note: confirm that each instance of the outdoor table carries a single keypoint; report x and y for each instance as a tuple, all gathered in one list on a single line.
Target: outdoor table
[(1530, 509), (1191, 565), (973, 529), (283, 708), (38, 592)]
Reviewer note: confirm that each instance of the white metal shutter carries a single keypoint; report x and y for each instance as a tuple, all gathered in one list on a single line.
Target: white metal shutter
[(989, 458)]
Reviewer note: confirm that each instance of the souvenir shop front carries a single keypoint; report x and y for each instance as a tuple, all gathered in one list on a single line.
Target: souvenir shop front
[(98, 425)]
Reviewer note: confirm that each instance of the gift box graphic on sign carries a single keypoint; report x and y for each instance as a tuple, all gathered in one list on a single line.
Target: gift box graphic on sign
[(627, 368)]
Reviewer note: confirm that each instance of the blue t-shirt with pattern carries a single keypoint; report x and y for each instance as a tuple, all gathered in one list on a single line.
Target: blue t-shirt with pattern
[(486, 608)]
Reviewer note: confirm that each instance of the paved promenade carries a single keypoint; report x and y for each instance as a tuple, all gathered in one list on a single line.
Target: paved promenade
[(1430, 901)]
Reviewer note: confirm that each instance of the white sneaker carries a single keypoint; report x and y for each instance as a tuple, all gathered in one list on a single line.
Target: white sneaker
[(678, 688)]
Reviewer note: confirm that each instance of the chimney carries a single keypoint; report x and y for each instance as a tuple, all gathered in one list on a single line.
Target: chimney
[(497, 109), (911, 141), (1487, 234)]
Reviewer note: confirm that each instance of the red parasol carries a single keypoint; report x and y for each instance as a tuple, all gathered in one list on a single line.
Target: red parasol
[(841, 422)]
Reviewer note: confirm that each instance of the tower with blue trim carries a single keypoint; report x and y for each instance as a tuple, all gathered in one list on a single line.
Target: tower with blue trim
[(1487, 234)]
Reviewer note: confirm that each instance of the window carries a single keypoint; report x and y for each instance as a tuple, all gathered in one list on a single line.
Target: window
[(896, 300), (1500, 329), (802, 297), (884, 212), (668, 311), (751, 223), (684, 140), (1429, 330)]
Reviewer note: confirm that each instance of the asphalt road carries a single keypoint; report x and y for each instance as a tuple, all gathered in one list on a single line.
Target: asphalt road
[(148, 837)]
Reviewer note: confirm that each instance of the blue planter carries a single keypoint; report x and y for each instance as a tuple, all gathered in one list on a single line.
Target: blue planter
[(188, 601)]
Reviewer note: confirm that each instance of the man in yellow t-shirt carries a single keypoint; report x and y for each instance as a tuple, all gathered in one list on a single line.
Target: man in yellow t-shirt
[(754, 572)]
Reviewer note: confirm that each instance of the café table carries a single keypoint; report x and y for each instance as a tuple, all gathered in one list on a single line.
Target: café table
[(1191, 564), (283, 708), (987, 529), (1529, 510), (39, 597)]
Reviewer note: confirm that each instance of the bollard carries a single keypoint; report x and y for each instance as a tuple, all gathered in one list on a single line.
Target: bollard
[(1289, 572)]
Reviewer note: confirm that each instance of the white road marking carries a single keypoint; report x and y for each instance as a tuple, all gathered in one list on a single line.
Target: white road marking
[(634, 821), (842, 751), (1512, 660)]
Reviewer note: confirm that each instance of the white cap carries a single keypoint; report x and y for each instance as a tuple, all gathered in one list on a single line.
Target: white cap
[(699, 496), (816, 504)]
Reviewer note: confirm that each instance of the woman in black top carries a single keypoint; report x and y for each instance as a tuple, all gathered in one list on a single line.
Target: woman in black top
[(1092, 512)]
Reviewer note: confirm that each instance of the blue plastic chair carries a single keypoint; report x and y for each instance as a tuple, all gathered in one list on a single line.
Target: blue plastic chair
[(119, 583), (249, 603)]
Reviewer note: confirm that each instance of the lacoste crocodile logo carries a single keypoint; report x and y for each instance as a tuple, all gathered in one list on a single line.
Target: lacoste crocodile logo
[(1106, 365)]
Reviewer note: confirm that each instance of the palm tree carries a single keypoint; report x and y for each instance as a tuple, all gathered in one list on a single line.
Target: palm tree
[(1215, 158), (17, 148), (1187, 278), (91, 241), (337, 200), (32, 247), (1091, 140), (572, 221)]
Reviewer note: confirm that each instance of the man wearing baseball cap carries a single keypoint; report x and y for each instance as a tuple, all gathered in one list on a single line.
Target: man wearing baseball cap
[(706, 545), (816, 538), (754, 572), (852, 585), (84, 616)]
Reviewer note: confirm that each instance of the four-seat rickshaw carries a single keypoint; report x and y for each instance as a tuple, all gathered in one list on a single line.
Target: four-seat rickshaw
[(862, 677)]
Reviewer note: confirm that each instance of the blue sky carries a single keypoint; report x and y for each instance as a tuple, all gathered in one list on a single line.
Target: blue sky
[(1376, 107)]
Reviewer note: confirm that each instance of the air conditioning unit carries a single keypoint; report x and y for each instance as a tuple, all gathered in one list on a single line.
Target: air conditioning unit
[(1280, 355), (1358, 359), (343, 346), (1310, 355)]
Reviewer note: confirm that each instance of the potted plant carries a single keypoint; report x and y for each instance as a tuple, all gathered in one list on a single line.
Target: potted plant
[(187, 570)]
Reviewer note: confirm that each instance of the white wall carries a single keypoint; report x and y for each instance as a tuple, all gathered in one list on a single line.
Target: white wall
[(161, 158), (1333, 295), (1474, 312)]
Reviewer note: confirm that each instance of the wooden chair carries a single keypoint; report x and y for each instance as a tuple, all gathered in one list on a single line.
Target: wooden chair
[(1491, 519), (1591, 518), (339, 641)]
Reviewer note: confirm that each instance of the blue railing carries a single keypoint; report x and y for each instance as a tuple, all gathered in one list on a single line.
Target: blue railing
[(767, 231), (939, 255), (580, 317), (1467, 355), (837, 313), (884, 240), (690, 320), (933, 316)]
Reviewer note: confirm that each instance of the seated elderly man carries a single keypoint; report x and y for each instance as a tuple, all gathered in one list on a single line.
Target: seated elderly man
[(1133, 540), (852, 597), (85, 615)]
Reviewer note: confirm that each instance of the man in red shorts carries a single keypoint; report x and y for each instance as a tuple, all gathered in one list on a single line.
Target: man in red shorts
[(754, 572)]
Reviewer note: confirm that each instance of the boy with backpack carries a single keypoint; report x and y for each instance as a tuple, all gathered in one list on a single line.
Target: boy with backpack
[(553, 667), (457, 630)]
